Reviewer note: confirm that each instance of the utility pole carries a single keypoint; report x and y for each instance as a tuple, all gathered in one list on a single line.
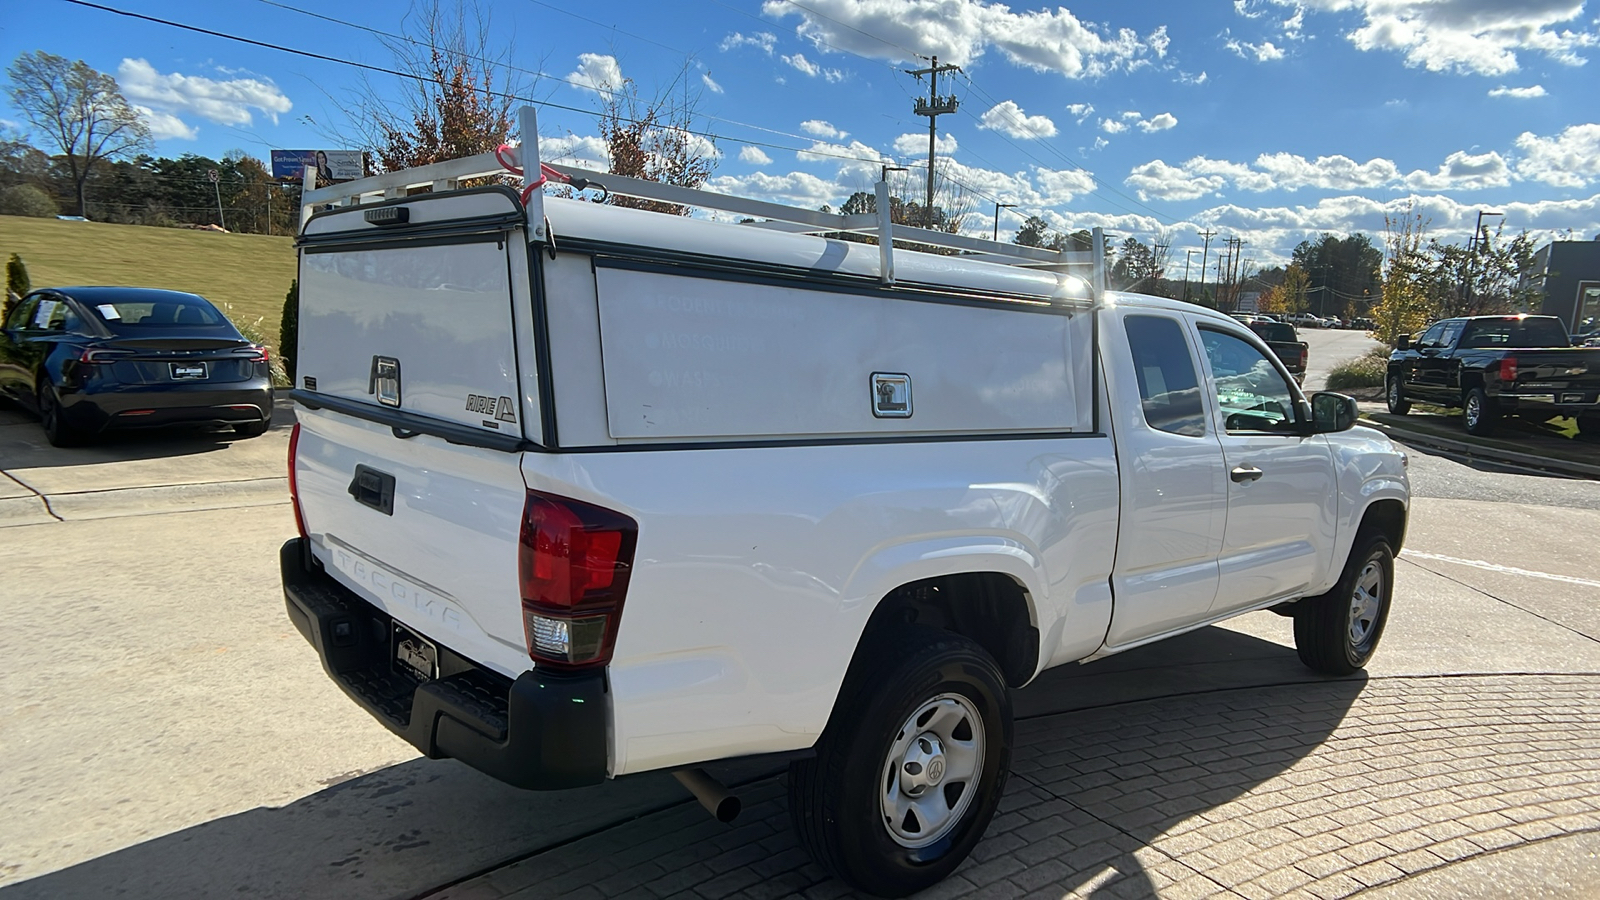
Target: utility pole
[(997, 207), (1234, 271), (1205, 256), (1472, 259), (211, 176), (933, 107), (1188, 255)]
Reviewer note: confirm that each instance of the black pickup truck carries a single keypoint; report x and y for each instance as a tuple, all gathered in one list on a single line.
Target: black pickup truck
[(1492, 366), (1282, 340)]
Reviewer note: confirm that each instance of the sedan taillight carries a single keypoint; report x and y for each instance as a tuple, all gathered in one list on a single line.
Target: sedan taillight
[(573, 565)]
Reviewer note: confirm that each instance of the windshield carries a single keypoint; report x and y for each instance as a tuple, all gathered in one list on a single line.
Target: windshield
[(176, 311), (1274, 331), (1516, 331)]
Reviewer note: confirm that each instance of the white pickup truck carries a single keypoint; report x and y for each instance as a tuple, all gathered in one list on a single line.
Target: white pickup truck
[(586, 491)]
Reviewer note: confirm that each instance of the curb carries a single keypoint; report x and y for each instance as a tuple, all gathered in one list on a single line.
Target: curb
[(1489, 454)]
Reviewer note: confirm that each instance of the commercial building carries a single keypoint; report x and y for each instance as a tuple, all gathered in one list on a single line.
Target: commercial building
[(1569, 273)]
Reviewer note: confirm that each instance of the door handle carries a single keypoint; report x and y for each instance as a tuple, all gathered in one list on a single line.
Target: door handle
[(1241, 474)]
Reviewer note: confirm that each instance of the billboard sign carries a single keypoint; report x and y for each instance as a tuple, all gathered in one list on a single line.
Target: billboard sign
[(332, 165)]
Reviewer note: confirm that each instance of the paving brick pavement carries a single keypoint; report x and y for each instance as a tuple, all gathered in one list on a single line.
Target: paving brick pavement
[(1316, 790)]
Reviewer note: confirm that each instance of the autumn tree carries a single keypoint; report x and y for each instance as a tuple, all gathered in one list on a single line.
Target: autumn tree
[(80, 110), (1406, 303), (456, 97), (654, 140)]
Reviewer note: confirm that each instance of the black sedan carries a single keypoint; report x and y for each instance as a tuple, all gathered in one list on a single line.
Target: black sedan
[(93, 359)]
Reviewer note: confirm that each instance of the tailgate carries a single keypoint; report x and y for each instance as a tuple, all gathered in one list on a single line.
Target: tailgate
[(416, 373)]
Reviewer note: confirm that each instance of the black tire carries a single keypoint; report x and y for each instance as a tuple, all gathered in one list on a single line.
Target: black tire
[(837, 800), (56, 429), (1395, 395), (1479, 412), (1337, 632), (251, 429)]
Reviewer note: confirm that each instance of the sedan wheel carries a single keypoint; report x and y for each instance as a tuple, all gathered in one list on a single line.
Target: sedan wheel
[(56, 430)]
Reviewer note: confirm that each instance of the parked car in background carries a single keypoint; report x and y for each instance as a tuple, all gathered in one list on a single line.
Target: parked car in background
[(1305, 320), (93, 359), (1285, 343), (1363, 323), (1491, 366)]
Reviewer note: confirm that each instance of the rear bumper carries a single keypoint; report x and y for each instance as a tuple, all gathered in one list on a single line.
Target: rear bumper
[(542, 731), (155, 406)]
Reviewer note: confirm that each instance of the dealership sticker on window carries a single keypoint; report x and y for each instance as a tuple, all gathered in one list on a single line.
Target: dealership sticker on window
[(107, 311)]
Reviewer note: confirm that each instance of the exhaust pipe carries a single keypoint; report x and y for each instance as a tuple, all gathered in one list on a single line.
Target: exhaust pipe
[(723, 805)]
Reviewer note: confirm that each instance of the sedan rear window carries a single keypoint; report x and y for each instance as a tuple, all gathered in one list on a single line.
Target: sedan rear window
[(178, 311)]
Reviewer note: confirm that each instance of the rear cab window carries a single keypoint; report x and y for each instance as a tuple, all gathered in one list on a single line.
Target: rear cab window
[(1168, 385), (1516, 331)]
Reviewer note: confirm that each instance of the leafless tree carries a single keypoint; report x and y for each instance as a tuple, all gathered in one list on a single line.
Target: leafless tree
[(80, 110)]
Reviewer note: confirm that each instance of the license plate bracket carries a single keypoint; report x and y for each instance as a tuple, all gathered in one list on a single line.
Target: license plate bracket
[(413, 655), (188, 371)]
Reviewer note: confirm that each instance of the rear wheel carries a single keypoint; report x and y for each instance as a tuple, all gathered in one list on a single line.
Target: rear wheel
[(57, 430), (911, 767), (1337, 632), (251, 429), (1479, 412), (1396, 396)]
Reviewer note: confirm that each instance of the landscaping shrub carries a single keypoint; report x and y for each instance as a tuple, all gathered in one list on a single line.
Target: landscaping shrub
[(289, 330), (1363, 372), (27, 200), (17, 284)]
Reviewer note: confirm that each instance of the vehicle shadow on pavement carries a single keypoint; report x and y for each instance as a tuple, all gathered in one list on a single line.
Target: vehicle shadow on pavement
[(23, 444), (1108, 757)]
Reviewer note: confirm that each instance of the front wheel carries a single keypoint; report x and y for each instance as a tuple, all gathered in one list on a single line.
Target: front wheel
[(1337, 632), (1479, 412), (912, 765), (1396, 397)]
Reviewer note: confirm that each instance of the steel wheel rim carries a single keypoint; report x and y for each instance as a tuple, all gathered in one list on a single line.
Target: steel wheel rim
[(1394, 393), (929, 777), (1472, 410), (1366, 603)]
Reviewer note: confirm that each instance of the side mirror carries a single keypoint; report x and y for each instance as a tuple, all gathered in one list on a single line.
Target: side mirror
[(1404, 342), (1332, 412)]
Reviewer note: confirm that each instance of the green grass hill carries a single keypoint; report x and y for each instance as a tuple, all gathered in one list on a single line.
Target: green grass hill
[(246, 275)]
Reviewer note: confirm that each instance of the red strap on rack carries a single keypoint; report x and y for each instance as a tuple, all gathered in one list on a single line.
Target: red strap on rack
[(502, 155)]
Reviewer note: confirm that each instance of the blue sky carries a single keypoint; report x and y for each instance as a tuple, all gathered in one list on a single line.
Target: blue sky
[(1270, 120)]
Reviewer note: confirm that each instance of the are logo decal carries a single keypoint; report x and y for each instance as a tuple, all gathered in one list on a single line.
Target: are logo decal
[(502, 408)]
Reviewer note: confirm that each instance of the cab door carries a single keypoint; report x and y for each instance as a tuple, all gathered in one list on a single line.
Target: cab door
[(1174, 493), (1282, 498)]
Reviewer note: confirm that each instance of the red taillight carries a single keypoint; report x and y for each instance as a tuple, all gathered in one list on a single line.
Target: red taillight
[(1508, 369), (294, 485), (1305, 356), (573, 565), (93, 355), (260, 354)]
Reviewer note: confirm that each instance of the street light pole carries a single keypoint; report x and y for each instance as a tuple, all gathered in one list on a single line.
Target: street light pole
[(1188, 255), (1472, 258), (997, 207)]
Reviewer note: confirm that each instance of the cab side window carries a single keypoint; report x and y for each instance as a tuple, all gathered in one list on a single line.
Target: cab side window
[(1251, 393), (1168, 385), (1432, 336)]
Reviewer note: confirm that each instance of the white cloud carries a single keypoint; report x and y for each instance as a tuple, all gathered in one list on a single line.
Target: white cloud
[(1112, 126), (167, 97), (586, 152), (754, 156), (1132, 114), (1080, 111), (796, 188), (1100, 143), (1484, 37), (915, 144), (806, 67), (1463, 171), (165, 125), (712, 86), (761, 40), (1008, 117), (597, 72), (1519, 93), (1570, 159), (1265, 51), (1186, 78), (960, 33), (1200, 176), (1158, 123), (823, 129)]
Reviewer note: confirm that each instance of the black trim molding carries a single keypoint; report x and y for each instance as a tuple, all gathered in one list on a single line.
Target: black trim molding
[(409, 424)]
